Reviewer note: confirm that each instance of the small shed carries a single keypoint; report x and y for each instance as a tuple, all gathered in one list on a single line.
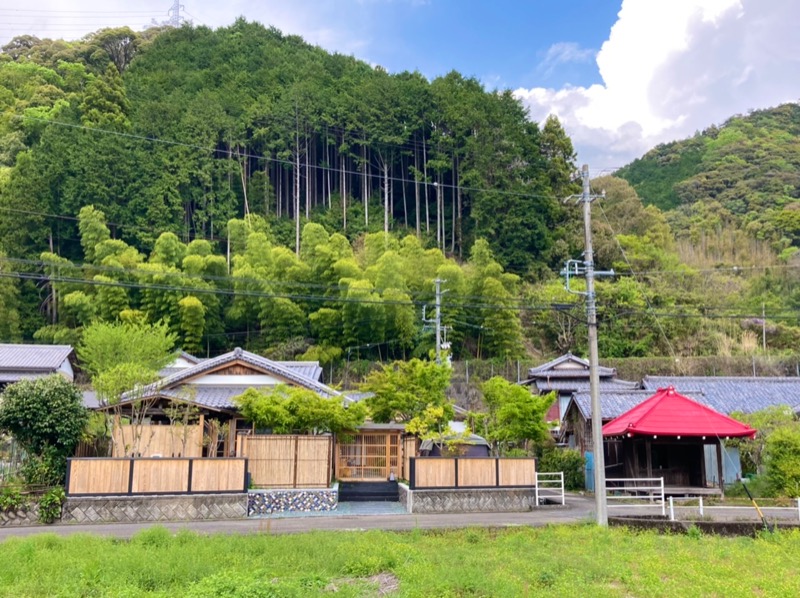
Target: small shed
[(665, 436), (468, 445)]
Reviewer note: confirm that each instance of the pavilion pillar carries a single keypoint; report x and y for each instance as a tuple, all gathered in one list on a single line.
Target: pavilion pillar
[(719, 466)]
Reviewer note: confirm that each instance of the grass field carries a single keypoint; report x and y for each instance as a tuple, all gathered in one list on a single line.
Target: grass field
[(562, 561)]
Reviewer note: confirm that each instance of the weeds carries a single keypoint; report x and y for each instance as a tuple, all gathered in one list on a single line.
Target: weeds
[(580, 560)]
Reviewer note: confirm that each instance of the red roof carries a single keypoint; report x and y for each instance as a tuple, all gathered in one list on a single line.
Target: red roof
[(668, 413)]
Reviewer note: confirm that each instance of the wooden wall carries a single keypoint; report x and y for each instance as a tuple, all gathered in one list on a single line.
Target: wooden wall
[(98, 477), (410, 449), (287, 461), (471, 472)]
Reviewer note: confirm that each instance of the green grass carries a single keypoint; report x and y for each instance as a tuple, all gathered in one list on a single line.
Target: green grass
[(554, 561)]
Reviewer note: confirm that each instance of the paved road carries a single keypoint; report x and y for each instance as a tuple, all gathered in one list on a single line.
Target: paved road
[(577, 509)]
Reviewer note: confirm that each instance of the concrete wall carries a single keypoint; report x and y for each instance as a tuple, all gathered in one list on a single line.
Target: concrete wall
[(484, 500), (268, 502), (131, 509)]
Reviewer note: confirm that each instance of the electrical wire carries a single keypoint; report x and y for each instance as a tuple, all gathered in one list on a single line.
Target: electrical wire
[(269, 159)]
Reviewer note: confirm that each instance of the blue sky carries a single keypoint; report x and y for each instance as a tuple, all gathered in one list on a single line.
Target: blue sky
[(621, 75), (502, 43)]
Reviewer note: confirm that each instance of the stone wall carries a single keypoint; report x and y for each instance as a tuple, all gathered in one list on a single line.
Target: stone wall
[(132, 509), (404, 495), (268, 502), (26, 516), (484, 500)]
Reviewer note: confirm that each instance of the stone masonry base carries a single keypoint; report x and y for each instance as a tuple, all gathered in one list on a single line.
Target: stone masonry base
[(486, 500), (26, 516), (131, 509)]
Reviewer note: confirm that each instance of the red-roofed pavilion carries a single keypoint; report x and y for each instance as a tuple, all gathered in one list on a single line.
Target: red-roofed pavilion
[(664, 437)]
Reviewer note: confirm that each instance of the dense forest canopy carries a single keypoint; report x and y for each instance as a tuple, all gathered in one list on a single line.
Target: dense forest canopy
[(251, 189), (741, 177)]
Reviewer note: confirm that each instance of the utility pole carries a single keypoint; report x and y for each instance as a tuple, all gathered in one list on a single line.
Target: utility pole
[(437, 319), (587, 268)]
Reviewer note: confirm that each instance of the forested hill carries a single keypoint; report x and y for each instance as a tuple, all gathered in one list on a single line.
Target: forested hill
[(181, 130), (743, 175), (251, 189)]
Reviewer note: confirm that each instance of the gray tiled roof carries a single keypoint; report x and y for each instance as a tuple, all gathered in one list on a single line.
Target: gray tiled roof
[(613, 404), (729, 394), (563, 386), (36, 358), (15, 376), (551, 370), (172, 383), (90, 400), (308, 369), (212, 397)]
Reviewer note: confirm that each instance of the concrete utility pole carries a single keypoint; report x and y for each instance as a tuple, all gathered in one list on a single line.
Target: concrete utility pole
[(438, 320), (574, 267)]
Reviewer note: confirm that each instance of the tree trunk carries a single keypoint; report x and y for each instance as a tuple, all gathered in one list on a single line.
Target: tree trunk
[(365, 176), (416, 191), (308, 183), (403, 185), (425, 176), (297, 194), (453, 200), (343, 189), (385, 196), (438, 212)]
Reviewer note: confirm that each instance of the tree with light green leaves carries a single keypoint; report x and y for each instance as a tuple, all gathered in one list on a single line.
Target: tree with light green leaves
[(192, 323), (515, 416), (403, 390), (295, 410)]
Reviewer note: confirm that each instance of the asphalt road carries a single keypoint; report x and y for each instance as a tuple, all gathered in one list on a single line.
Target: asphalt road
[(577, 510)]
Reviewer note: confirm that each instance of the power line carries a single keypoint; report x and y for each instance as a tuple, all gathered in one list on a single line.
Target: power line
[(231, 154)]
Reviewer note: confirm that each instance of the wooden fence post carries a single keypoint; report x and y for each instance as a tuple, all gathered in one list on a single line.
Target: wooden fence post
[(296, 449)]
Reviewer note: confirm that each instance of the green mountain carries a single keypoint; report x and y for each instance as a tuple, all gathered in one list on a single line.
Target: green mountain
[(182, 130), (744, 174), (251, 189)]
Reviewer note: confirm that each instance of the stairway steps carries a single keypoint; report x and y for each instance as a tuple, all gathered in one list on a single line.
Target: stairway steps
[(368, 492)]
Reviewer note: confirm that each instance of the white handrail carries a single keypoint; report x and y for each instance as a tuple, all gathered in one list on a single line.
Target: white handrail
[(652, 488), (550, 482)]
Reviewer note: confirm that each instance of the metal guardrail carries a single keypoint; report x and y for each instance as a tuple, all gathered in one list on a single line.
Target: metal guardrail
[(636, 489), (550, 485), (701, 509)]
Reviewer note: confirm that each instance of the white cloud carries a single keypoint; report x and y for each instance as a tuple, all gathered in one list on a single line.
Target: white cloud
[(670, 68), (563, 53)]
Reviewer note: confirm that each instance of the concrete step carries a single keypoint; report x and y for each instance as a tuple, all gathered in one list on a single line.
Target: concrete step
[(368, 492)]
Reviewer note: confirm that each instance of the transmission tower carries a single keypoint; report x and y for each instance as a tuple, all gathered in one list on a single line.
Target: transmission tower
[(175, 18)]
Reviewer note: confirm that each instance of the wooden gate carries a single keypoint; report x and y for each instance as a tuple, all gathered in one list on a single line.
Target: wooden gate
[(368, 456)]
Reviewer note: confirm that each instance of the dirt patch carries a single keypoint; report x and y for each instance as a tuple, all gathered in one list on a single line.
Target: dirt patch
[(386, 583)]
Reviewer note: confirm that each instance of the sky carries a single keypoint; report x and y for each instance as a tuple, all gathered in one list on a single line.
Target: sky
[(621, 75)]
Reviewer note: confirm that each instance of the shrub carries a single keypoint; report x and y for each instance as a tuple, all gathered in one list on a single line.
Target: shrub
[(783, 461), (50, 505), (569, 461), (11, 499), (47, 418)]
